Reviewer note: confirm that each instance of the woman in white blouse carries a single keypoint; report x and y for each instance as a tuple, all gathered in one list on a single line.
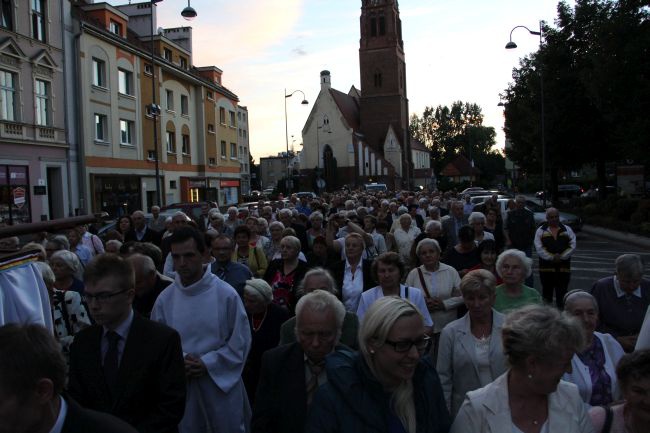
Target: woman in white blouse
[(440, 284), (470, 354), (404, 235)]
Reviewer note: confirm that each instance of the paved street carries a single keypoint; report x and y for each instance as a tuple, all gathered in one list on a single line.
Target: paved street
[(594, 259)]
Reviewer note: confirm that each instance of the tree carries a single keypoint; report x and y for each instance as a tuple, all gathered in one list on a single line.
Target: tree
[(448, 132), (595, 68)]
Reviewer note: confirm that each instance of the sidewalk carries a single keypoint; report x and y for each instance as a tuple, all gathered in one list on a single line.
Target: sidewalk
[(629, 238)]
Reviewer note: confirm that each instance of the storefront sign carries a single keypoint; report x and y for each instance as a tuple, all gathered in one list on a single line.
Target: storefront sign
[(229, 183), (19, 197)]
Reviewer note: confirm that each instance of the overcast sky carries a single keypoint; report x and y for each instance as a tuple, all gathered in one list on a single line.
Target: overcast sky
[(454, 51)]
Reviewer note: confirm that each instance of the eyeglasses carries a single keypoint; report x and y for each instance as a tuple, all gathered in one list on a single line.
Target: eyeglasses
[(421, 344), (101, 297)]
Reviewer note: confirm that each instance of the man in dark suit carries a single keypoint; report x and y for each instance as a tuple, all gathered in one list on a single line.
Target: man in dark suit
[(292, 372), (126, 365), (453, 222), (149, 283), (140, 231), (32, 376)]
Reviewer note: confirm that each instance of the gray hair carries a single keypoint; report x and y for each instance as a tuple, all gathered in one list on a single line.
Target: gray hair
[(182, 215), (402, 210), (259, 289), (629, 265), (476, 217), (539, 331), (114, 242), (71, 261), (321, 301), (317, 272), (316, 214), (142, 264), (478, 279), (232, 208), (276, 224), (214, 213), (293, 241), (61, 241), (405, 217), (285, 211), (427, 242), (46, 273), (526, 262), (576, 294), (429, 225)]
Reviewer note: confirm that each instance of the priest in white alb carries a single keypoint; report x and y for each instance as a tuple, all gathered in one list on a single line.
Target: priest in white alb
[(210, 318)]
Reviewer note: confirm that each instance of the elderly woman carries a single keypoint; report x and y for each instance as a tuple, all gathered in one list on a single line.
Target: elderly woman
[(353, 275), (285, 274), (440, 284), (464, 255), (470, 355), (432, 230), (275, 230), (388, 270), (265, 319), (251, 256), (593, 368), (257, 238), (476, 220), (405, 234), (68, 312), (513, 267), (263, 227), (56, 243), (539, 343), (316, 229), (68, 271), (321, 279), (218, 223), (633, 416), (388, 386)]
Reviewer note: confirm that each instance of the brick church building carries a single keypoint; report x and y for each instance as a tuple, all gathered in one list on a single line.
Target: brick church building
[(362, 136)]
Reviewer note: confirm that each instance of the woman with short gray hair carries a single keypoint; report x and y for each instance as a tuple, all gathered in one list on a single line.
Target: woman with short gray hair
[(265, 319), (539, 343), (476, 220), (67, 270), (594, 369), (513, 267)]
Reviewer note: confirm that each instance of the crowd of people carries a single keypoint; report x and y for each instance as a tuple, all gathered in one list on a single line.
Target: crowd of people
[(352, 312)]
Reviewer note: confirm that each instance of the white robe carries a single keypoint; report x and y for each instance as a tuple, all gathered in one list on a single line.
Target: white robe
[(23, 296), (210, 318)]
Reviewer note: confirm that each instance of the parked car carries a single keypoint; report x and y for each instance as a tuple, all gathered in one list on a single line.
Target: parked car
[(375, 187), (564, 192), (302, 194), (191, 209)]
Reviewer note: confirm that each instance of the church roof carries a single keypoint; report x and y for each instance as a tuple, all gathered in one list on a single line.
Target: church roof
[(348, 106), (460, 166), (417, 145)]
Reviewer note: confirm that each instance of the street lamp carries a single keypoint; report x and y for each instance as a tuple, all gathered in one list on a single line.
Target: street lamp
[(286, 126), (511, 45), (154, 109)]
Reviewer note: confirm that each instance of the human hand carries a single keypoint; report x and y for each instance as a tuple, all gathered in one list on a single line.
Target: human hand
[(194, 367)]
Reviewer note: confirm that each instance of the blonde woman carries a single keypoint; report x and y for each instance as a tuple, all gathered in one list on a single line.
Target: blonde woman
[(387, 386)]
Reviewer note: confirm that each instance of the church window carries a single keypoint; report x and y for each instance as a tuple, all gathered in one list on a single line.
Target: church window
[(377, 79), (382, 25), (373, 26)]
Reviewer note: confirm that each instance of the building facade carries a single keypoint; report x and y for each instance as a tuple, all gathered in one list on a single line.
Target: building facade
[(35, 179), (183, 148), (244, 149)]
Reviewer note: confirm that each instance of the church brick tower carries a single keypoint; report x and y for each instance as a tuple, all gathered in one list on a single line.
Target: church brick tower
[(382, 67)]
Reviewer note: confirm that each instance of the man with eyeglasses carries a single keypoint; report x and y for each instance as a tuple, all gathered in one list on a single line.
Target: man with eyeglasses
[(126, 365), (293, 372)]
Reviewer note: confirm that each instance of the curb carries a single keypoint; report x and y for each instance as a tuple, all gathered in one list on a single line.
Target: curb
[(636, 240)]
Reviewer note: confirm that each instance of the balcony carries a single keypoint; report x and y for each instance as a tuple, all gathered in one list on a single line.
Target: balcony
[(46, 133), (13, 130)]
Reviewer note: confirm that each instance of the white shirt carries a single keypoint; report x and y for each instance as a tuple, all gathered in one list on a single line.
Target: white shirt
[(63, 412), (352, 286), (415, 296)]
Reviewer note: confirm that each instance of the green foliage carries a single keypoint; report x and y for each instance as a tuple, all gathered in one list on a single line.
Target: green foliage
[(594, 65), (448, 132)]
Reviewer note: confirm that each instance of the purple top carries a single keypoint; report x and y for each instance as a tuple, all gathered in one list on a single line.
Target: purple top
[(601, 383)]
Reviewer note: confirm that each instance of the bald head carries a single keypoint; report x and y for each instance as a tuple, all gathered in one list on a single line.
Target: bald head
[(145, 273)]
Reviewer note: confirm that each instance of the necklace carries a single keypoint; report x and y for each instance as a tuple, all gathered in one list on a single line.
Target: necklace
[(257, 322)]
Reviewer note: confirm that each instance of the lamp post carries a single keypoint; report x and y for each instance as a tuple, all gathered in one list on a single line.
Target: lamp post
[(286, 126), (511, 45), (154, 109)]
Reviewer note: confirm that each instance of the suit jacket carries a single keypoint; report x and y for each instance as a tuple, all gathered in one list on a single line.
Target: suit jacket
[(487, 410), (457, 364), (281, 382), (80, 420), (150, 386), (450, 230), (149, 236)]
